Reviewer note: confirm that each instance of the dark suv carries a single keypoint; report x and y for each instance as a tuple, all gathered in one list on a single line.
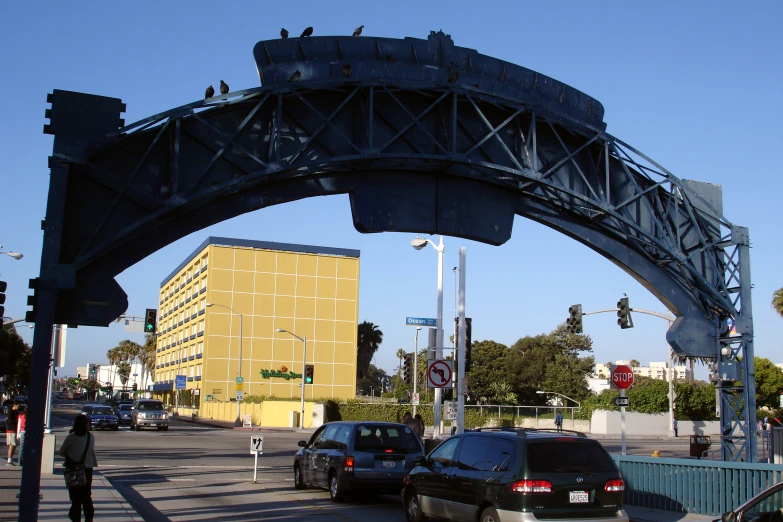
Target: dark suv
[(350, 456), (515, 475)]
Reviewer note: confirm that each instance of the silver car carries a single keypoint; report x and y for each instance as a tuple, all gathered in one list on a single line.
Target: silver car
[(149, 413), (357, 456)]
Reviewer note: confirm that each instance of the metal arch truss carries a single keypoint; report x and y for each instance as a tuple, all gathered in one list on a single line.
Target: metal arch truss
[(468, 160)]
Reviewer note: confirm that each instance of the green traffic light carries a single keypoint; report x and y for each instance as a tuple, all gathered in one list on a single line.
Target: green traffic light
[(308, 380)]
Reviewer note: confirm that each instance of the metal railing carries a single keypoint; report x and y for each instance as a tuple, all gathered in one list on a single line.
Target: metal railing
[(693, 486)]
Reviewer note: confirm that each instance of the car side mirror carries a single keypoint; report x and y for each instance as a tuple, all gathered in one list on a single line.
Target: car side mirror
[(420, 461), (729, 517), (302, 443)]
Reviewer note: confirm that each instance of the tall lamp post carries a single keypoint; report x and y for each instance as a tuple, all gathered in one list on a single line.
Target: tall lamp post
[(304, 363), (418, 244), (238, 420), (578, 404), (415, 366)]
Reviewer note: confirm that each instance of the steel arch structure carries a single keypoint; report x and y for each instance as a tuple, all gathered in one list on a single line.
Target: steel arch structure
[(425, 137)]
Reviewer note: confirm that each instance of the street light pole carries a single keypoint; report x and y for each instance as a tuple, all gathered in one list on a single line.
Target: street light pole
[(304, 363), (418, 244), (238, 420), (578, 404)]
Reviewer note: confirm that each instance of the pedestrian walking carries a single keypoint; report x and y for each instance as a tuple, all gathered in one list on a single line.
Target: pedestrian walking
[(79, 449), (674, 425), (559, 421), (11, 421), (20, 426), (420, 422)]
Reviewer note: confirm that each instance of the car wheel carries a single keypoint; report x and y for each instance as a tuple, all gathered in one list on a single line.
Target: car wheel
[(336, 491), (489, 514), (115, 428), (412, 508), (165, 428), (298, 478)]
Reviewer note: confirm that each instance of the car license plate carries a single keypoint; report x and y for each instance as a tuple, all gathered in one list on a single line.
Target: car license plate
[(152, 424), (578, 497), (389, 464)]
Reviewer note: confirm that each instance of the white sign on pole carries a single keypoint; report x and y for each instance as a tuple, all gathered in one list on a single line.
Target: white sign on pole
[(240, 395), (256, 444), (451, 410), (439, 373), (415, 399), (256, 447)]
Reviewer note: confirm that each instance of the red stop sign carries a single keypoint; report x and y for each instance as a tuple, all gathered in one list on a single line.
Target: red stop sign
[(622, 377)]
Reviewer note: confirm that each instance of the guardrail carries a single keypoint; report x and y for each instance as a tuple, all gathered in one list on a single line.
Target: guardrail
[(693, 486)]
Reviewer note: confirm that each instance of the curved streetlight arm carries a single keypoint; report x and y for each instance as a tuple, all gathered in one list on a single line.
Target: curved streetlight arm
[(282, 330), (15, 255), (578, 404)]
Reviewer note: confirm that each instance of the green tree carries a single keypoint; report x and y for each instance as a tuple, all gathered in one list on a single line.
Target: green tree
[(124, 370), (400, 355), (769, 383), (488, 366), (369, 338), (15, 357), (777, 301), (375, 379), (502, 393)]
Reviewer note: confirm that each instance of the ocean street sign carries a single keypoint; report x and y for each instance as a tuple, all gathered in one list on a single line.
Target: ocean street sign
[(420, 321)]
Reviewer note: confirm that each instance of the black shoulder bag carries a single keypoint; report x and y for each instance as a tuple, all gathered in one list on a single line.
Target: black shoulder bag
[(74, 471)]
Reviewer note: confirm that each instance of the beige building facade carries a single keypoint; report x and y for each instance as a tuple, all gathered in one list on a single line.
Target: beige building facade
[(231, 289)]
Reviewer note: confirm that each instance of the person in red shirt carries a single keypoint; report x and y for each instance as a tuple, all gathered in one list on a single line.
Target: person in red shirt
[(20, 426), (10, 431)]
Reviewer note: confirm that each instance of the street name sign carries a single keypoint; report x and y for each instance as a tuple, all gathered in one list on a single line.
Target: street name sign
[(622, 377), (181, 382), (240, 380), (420, 321), (439, 373), (622, 402)]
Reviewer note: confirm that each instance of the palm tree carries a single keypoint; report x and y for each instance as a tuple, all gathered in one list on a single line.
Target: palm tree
[(777, 301), (113, 356), (400, 355), (124, 369), (369, 339), (146, 354)]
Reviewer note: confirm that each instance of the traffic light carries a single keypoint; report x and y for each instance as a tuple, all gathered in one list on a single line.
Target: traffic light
[(3, 288), (624, 314), (309, 371), (135, 387), (713, 369), (574, 321), (407, 368), (78, 377), (32, 300), (150, 320)]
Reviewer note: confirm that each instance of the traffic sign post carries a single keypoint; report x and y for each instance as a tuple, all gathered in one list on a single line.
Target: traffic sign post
[(622, 378), (622, 402), (439, 373), (415, 399), (240, 395), (256, 447), (451, 410)]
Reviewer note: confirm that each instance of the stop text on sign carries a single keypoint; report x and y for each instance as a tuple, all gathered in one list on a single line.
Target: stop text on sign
[(622, 377)]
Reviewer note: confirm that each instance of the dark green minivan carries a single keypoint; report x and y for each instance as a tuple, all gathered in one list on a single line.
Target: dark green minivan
[(515, 475)]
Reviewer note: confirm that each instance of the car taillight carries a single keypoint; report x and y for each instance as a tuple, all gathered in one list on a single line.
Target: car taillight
[(532, 486), (615, 485), (389, 451), (348, 464)]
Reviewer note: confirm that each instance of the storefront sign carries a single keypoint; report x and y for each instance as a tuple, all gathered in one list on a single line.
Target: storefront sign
[(282, 373)]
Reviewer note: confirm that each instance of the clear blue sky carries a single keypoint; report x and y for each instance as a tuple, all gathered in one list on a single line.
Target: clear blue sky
[(695, 85)]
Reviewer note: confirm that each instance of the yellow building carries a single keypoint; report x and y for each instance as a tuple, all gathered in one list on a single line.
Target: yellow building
[(230, 285)]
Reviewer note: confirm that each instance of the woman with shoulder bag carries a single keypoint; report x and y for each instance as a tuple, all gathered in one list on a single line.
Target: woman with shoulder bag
[(79, 451)]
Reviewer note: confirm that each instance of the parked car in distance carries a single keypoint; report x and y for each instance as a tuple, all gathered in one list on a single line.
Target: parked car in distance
[(357, 456), (516, 475), (149, 413), (767, 506), (87, 408), (101, 417), (124, 415)]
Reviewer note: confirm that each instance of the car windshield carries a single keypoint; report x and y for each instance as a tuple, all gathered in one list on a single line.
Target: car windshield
[(568, 456), (150, 406), (125, 407), (378, 436), (102, 411)]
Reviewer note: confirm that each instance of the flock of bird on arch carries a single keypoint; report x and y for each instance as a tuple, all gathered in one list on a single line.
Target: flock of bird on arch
[(347, 71)]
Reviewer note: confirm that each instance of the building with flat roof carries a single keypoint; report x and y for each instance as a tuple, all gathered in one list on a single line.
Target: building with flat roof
[(227, 300), (656, 370)]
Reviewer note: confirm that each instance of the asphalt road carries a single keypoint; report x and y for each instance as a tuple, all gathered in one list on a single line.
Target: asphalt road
[(196, 472)]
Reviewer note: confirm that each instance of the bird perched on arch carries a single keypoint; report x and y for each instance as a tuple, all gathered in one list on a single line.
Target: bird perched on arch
[(210, 92), (283, 33), (453, 77), (295, 77), (307, 32), (347, 70), (223, 87), (358, 30)]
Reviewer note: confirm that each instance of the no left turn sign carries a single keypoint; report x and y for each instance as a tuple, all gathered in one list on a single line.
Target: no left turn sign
[(438, 373)]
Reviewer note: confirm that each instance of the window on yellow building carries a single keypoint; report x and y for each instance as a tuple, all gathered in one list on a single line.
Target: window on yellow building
[(190, 372), (201, 326), (201, 347), (198, 370)]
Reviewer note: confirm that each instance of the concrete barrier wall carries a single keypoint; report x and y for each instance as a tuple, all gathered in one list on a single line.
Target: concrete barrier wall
[(269, 414), (609, 423)]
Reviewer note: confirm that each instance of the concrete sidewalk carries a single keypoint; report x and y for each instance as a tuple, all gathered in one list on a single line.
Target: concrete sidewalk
[(54, 504)]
